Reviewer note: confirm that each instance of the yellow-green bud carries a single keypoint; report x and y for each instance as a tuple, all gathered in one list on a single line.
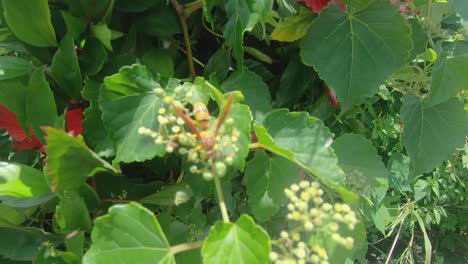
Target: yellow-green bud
[(229, 160), (193, 169), (175, 129), (284, 234), (229, 121), (220, 168), (168, 99), (169, 149), (178, 89), (162, 111), (159, 92), (208, 176)]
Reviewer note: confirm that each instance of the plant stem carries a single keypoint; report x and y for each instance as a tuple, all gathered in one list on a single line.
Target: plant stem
[(110, 200), (394, 243), (222, 204), (183, 21), (184, 247), (191, 7)]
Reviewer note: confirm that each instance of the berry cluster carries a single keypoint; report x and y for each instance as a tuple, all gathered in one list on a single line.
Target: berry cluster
[(312, 217), (210, 150)]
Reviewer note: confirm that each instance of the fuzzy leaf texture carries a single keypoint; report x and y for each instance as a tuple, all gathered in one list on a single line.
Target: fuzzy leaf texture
[(347, 49)]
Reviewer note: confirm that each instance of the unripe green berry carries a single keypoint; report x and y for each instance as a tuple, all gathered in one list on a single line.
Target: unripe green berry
[(208, 176), (159, 92), (220, 168), (229, 160)]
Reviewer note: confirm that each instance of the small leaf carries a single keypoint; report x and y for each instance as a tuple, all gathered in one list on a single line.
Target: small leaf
[(22, 243), (72, 213), (95, 11), (12, 67), (292, 28), (399, 178), (11, 217), (103, 33), (95, 133), (128, 102), (242, 15), (240, 242), (30, 21), (347, 49), (160, 21), (363, 166), (219, 63), (133, 5), (242, 120), (267, 177), (40, 104), (92, 57), (66, 69), (128, 234), (159, 61), (255, 90), (171, 195), (69, 161), (431, 134), (296, 79)]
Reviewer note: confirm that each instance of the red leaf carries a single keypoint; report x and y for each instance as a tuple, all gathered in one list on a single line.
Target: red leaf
[(9, 121), (318, 5), (332, 97), (74, 121)]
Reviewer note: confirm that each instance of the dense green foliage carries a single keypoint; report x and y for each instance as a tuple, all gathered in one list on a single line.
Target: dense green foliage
[(233, 131)]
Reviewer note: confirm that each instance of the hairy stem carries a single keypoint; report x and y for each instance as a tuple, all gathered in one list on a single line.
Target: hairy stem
[(183, 21), (186, 246), (222, 204)]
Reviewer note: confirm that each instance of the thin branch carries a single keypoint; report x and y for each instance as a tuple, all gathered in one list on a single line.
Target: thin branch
[(186, 246), (183, 21)]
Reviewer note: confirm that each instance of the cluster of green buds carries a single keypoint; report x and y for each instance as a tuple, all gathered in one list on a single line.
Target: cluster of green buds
[(208, 153), (311, 218)]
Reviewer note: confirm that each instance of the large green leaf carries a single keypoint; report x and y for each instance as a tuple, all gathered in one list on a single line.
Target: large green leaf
[(218, 64), (242, 15), (14, 216), (292, 28), (17, 89), (92, 57), (40, 103), (306, 141), (159, 61), (94, 132), (160, 21), (364, 168), (12, 67), (242, 120), (254, 89), (296, 79), (431, 134), (92, 10), (103, 33), (69, 161), (21, 181), (449, 77), (22, 243), (128, 234), (30, 21), (66, 69), (128, 102), (240, 242), (355, 52), (267, 177)]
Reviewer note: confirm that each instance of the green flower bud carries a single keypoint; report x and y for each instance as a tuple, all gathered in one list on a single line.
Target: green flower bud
[(220, 168), (159, 92), (208, 176)]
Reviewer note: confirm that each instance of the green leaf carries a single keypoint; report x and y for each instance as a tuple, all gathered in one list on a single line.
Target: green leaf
[(399, 178), (208, 6), (95, 11), (47, 254), (172, 195), (306, 141), (75, 25), (92, 57), (242, 120), (267, 177), (240, 242), (128, 102), (128, 234), (449, 77), (347, 50), (431, 134), (460, 7), (21, 181), (219, 64), (72, 213), (363, 166), (30, 21), (94, 132), (40, 104), (69, 161), (357, 4), (22, 243), (66, 69), (292, 28), (296, 79), (254, 89), (17, 89), (12, 67), (159, 61), (160, 21), (421, 190), (103, 33), (242, 15)]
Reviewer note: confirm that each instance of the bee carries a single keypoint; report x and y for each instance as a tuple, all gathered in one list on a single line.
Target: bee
[(205, 135)]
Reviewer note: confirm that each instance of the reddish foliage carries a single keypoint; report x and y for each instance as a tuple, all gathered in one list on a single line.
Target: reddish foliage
[(318, 5), (9, 121), (332, 97), (74, 121)]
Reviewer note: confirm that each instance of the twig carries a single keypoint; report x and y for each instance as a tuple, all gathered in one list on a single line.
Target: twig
[(184, 247)]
